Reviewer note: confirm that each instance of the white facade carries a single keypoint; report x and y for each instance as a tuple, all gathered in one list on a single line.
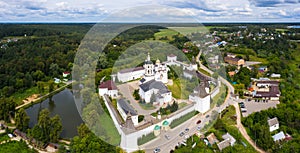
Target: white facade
[(201, 104), (273, 124), (134, 117), (111, 93), (130, 74)]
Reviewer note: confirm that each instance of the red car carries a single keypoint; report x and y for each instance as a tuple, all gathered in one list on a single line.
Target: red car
[(198, 122)]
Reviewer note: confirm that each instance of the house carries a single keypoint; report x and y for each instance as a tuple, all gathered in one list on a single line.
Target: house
[(263, 69), (230, 138), (231, 73), (279, 136), (228, 141), (223, 144), (57, 80), (158, 89), (212, 139), (66, 74), (234, 61), (109, 88), (52, 147), (201, 97), (273, 124), (266, 89), (126, 110), (129, 74)]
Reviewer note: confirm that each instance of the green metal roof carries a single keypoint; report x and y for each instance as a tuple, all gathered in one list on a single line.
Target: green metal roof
[(165, 123), (157, 127)]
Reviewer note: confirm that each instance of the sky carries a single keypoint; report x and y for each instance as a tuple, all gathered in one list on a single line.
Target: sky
[(150, 11)]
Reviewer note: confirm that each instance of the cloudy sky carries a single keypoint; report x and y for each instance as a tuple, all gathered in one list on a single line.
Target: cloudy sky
[(149, 10)]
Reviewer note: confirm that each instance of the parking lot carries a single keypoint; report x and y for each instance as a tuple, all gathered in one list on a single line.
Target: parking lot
[(252, 106)]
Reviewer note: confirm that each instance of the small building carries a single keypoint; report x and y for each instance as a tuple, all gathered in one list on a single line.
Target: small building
[(126, 110), (57, 80), (274, 75), (52, 147), (279, 136), (234, 61), (109, 88), (212, 139), (231, 73), (263, 69), (66, 74), (166, 125), (223, 144), (230, 138), (157, 130), (273, 124)]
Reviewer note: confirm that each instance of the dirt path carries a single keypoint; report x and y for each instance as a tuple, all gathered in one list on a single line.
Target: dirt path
[(243, 130), (27, 102)]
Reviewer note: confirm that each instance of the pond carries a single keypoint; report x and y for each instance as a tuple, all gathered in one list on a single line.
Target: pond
[(63, 105)]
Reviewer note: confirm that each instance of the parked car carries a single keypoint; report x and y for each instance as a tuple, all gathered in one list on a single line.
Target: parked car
[(181, 134), (167, 137), (198, 128), (156, 150), (198, 122), (207, 116), (186, 130)]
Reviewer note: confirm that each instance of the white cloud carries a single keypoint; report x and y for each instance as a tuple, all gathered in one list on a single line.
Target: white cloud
[(204, 10)]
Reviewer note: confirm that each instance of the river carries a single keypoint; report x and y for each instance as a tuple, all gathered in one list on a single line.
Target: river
[(63, 105)]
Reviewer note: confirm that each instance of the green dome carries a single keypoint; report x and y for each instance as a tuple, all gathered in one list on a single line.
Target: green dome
[(165, 123), (157, 127)]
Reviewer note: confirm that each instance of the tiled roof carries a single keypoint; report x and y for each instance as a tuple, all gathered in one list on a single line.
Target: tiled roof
[(156, 85), (110, 85), (273, 121)]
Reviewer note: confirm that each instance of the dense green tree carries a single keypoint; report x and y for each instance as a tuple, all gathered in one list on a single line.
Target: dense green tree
[(7, 106), (22, 120)]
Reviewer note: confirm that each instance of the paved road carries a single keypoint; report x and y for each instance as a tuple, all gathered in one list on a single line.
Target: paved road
[(229, 101)]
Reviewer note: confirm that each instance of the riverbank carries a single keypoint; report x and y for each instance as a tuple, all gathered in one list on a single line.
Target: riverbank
[(42, 98)]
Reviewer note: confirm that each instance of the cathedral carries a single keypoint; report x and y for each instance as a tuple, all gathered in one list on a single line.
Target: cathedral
[(157, 71)]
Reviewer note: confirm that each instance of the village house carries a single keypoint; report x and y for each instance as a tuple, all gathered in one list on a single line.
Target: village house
[(273, 124), (279, 136), (228, 141), (109, 88), (126, 110), (234, 61), (266, 89), (212, 139), (66, 74)]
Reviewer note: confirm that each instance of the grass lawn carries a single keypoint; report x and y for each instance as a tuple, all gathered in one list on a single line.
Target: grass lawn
[(146, 138), (180, 88), (4, 137), (227, 124), (16, 146), (262, 60), (182, 119), (181, 105), (220, 97), (147, 106), (165, 32), (203, 71), (19, 96)]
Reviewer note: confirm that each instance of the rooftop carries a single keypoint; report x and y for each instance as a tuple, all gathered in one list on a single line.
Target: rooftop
[(278, 136), (127, 108), (131, 69), (153, 84), (110, 85), (273, 121)]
